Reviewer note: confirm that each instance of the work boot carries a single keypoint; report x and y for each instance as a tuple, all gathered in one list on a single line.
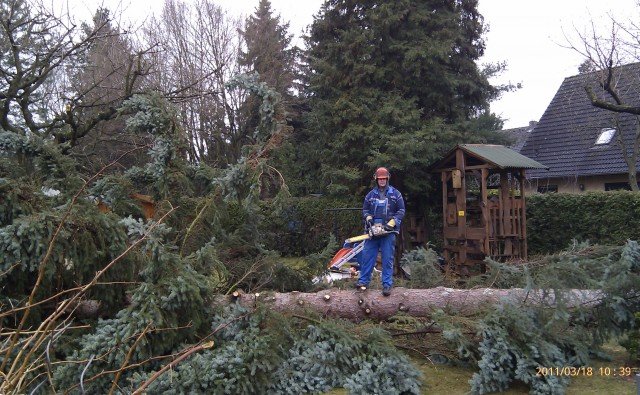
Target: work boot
[(361, 287), (386, 290)]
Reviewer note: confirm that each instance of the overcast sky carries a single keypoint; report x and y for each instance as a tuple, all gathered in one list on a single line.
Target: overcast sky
[(528, 35)]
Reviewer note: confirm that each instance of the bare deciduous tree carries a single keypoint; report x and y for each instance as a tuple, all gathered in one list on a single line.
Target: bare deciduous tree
[(604, 54), (199, 55), (42, 58), (110, 70)]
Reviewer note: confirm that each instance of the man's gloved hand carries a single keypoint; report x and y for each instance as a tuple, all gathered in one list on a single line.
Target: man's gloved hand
[(368, 221), (391, 225)]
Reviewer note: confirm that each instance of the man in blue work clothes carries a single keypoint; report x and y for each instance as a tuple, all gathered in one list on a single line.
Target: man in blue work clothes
[(382, 205)]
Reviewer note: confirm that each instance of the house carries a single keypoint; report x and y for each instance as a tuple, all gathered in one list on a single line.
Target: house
[(578, 141), (518, 136)]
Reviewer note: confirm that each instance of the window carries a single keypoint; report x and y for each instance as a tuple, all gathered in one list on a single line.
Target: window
[(617, 186), (605, 136), (548, 188)]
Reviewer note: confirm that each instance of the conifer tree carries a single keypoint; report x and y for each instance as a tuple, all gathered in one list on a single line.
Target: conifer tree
[(270, 55), (268, 49), (393, 83), (102, 78)]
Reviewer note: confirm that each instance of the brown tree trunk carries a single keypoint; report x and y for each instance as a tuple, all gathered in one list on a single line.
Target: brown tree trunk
[(633, 180), (357, 305), (370, 304)]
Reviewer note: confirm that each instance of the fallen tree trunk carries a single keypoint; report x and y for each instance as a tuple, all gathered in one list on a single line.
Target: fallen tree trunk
[(370, 304)]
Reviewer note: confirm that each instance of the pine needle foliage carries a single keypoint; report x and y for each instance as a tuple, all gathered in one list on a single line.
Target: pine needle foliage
[(260, 352), (550, 330), (247, 351), (152, 325), (515, 341), (632, 342), (37, 184), (423, 266), (327, 357), (395, 83), (173, 269)]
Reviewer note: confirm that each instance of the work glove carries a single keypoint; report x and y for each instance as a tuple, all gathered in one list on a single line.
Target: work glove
[(368, 221), (391, 225)]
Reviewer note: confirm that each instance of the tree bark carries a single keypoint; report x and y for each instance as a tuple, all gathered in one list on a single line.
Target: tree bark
[(358, 305), (371, 304)]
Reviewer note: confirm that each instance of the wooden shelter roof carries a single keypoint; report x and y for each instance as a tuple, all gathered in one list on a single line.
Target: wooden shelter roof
[(498, 156)]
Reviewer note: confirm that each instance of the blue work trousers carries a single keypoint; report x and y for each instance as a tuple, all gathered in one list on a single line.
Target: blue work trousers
[(386, 244)]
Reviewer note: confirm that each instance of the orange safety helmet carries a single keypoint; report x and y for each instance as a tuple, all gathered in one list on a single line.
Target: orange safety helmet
[(381, 172)]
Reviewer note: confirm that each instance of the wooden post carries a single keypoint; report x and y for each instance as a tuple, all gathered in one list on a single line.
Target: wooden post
[(461, 208), (524, 216), (505, 213), (485, 211), (445, 192), (461, 201)]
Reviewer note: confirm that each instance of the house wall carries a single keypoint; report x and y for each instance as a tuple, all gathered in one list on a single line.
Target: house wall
[(573, 184)]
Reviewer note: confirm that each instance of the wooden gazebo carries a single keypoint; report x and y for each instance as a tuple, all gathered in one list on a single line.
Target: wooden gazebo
[(483, 204)]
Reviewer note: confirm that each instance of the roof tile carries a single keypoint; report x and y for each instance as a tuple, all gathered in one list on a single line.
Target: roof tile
[(564, 137)]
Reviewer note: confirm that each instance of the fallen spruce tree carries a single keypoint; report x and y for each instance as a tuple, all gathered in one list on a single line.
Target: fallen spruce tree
[(508, 333), (169, 333), (170, 337), (358, 305)]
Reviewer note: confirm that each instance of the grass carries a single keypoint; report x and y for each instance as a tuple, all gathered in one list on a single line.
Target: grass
[(451, 380)]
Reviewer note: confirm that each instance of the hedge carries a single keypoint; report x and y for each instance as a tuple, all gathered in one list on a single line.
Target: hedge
[(555, 219), (304, 226)]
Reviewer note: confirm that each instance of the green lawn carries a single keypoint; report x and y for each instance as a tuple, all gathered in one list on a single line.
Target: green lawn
[(451, 380), (442, 380)]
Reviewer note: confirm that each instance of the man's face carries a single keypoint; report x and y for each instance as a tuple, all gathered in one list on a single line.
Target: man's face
[(382, 182)]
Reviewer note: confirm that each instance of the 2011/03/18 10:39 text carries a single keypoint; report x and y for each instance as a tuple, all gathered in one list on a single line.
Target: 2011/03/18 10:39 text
[(572, 371)]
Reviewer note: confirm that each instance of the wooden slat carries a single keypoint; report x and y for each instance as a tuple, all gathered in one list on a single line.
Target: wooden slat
[(476, 233), (450, 232)]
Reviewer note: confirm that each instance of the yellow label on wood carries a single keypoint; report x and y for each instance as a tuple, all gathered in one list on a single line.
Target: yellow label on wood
[(461, 213)]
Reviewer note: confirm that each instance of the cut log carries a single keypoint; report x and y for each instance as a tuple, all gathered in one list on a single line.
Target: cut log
[(358, 305)]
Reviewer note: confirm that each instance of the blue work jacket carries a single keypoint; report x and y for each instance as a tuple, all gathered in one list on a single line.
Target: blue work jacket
[(383, 207)]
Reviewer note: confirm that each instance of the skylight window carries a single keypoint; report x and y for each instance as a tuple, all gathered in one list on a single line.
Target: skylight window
[(605, 136)]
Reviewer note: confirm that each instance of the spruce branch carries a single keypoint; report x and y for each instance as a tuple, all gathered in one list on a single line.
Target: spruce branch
[(125, 367), (193, 223), (202, 345), (173, 363), (41, 271), (114, 384), (253, 269)]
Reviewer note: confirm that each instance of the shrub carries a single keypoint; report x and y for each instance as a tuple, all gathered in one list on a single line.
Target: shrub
[(554, 219), (423, 267)]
